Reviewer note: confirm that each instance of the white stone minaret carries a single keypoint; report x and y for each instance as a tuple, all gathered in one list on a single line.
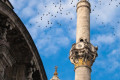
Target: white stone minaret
[(83, 53), (55, 77)]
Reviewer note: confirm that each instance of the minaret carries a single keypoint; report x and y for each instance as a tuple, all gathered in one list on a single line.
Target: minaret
[(55, 77), (83, 53)]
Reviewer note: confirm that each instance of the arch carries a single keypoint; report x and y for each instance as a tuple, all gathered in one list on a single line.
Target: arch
[(22, 48)]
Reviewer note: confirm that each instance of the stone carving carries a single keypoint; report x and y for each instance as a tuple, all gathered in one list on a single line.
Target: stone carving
[(83, 50), (30, 72), (15, 58), (3, 32), (1, 72), (5, 24), (6, 60)]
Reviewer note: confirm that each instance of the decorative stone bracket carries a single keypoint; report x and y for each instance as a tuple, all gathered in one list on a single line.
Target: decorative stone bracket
[(83, 54)]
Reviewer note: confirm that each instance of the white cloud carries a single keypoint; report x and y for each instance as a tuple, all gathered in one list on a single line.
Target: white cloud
[(52, 41), (62, 41), (103, 39), (27, 12), (50, 50), (104, 13), (111, 63), (34, 31), (33, 10), (117, 31), (18, 4)]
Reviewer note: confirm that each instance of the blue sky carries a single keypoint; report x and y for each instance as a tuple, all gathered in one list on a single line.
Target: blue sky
[(56, 32)]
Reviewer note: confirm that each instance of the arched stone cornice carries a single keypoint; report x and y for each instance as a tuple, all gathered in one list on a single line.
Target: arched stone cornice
[(19, 26)]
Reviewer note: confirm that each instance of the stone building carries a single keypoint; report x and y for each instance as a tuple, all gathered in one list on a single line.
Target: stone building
[(19, 58), (83, 53)]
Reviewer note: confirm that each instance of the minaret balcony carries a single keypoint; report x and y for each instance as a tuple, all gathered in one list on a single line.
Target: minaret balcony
[(83, 51)]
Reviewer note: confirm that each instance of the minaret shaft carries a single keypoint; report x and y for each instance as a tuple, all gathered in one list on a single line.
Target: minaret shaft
[(83, 32), (82, 73), (83, 53), (83, 21)]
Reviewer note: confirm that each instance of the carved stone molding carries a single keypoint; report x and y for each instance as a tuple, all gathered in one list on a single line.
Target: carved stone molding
[(83, 54), (20, 54), (5, 25), (6, 59), (7, 3), (29, 73), (83, 3), (30, 69)]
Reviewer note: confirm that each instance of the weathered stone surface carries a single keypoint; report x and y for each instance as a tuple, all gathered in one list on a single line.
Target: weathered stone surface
[(82, 73), (8, 3), (83, 21), (19, 58), (83, 53)]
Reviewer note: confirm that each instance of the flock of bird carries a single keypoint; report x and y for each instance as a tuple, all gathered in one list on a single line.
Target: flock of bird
[(61, 12), (116, 22)]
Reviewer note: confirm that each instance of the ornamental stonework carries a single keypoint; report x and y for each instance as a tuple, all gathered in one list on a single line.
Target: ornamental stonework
[(83, 53)]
